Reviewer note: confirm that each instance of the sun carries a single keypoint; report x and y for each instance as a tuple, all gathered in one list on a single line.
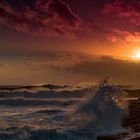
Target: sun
[(137, 55)]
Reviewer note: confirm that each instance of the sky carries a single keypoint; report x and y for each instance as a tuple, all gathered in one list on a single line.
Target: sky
[(69, 41)]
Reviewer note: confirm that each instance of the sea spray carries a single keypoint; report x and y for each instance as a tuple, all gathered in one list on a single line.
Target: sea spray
[(103, 112)]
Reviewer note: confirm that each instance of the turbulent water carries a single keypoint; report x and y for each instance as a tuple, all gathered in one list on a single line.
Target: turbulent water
[(62, 114)]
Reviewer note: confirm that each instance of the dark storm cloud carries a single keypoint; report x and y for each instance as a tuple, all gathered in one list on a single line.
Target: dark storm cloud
[(42, 18), (129, 9)]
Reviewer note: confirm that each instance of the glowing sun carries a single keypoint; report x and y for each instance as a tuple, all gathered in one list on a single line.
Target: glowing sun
[(137, 55)]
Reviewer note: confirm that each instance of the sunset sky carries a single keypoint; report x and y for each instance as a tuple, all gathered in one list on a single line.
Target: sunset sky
[(69, 41)]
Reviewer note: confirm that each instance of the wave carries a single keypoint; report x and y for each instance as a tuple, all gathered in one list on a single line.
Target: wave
[(44, 94), (82, 114), (22, 102), (103, 111)]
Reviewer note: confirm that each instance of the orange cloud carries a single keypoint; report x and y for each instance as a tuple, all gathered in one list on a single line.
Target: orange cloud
[(118, 35)]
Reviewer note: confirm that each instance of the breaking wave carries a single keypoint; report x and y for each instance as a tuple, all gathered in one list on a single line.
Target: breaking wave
[(103, 111)]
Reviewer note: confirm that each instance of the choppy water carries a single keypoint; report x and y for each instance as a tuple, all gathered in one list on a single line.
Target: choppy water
[(68, 114)]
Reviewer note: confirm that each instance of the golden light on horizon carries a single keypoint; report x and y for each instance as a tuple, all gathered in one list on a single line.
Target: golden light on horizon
[(137, 55)]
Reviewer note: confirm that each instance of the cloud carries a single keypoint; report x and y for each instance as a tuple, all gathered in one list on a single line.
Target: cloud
[(129, 9), (118, 35), (42, 18), (111, 38), (128, 36)]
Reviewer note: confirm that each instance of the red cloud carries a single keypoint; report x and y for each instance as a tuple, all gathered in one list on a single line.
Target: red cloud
[(52, 18), (129, 9), (127, 36), (123, 35), (111, 38)]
